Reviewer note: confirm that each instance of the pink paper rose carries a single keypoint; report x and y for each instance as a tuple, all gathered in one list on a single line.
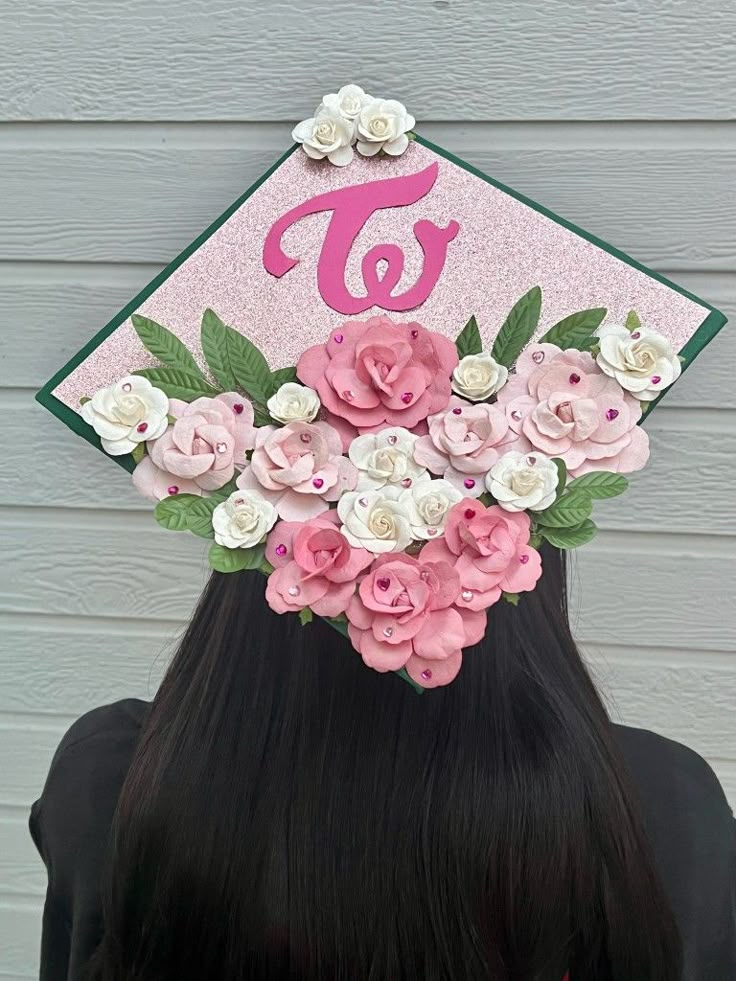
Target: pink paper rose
[(299, 467), (489, 551), (403, 616), (562, 404), (375, 372), (155, 484), (205, 443), (464, 442), (314, 565)]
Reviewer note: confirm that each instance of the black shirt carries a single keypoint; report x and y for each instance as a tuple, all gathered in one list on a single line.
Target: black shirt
[(688, 819)]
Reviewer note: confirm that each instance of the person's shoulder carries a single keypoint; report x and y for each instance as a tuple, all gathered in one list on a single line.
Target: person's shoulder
[(118, 720)]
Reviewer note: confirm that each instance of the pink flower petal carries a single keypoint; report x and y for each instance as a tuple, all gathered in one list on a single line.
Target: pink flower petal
[(434, 674), (442, 635)]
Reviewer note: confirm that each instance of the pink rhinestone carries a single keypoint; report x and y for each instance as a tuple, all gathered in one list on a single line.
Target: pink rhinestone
[(457, 410), (142, 427), (538, 357), (415, 334), (406, 482), (612, 414), (239, 501), (127, 387), (531, 461), (392, 439), (172, 490), (305, 437), (348, 395), (524, 558), (424, 575), (467, 595), (636, 335), (407, 397), (238, 408), (293, 590), (221, 447), (388, 631), (656, 379), (318, 482), (574, 378), (432, 532), (516, 415), (383, 584), (469, 483), (469, 513), (363, 501), (426, 674), (280, 549), (338, 338)]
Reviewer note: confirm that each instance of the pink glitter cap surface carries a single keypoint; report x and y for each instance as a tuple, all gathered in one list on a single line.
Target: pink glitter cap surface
[(504, 247)]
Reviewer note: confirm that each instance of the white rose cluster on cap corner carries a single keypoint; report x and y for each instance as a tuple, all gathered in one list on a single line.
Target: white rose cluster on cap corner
[(353, 118), (127, 414), (642, 361)]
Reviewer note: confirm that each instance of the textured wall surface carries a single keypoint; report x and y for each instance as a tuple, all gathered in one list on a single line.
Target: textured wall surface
[(127, 126)]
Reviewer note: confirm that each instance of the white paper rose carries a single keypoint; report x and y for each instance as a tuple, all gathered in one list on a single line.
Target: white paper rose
[(427, 505), (328, 134), (523, 481), (642, 362), (375, 520), (347, 102), (126, 414), (386, 458), (243, 520), (383, 125), (294, 403), (478, 376)]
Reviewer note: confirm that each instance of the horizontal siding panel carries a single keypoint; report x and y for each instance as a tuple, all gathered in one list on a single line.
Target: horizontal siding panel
[(84, 478), (117, 204), (22, 872), (226, 60), (639, 589), (20, 940), (58, 307)]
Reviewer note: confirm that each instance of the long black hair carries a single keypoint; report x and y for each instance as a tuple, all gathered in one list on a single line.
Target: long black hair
[(292, 814)]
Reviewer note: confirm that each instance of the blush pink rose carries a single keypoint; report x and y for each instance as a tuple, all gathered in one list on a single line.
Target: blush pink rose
[(207, 440), (375, 372), (314, 565), (298, 467), (489, 551), (562, 404), (403, 616), (156, 484), (464, 442)]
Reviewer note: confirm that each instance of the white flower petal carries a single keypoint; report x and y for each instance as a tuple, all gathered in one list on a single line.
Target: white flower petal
[(396, 147), (341, 157)]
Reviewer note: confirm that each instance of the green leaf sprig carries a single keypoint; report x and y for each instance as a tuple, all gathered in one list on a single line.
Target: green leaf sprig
[(567, 522)]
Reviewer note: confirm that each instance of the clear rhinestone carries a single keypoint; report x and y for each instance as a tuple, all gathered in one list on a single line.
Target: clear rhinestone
[(467, 595), (388, 631), (293, 590)]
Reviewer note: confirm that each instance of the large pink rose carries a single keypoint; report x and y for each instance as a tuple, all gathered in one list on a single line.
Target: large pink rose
[(464, 442), (299, 467), (375, 372), (314, 565), (403, 616), (489, 551), (562, 404), (205, 443)]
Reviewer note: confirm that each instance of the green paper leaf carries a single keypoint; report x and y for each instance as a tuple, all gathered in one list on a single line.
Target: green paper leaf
[(469, 339), (199, 517), (576, 329), (599, 484), (235, 559), (178, 384), (84, 400), (570, 537), (165, 346), (632, 322), (568, 511), (561, 476), (138, 453), (487, 499), (518, 328), (305, 616), (512, 598), (281, 376), (237, 359), (214, 340), (171, 512), (535, 539), (261, 416), (266, 568)]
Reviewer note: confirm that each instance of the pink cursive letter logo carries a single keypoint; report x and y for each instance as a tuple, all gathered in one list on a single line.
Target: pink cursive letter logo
[(351, 208)]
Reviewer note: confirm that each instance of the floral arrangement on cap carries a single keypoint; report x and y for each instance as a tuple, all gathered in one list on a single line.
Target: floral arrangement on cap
[(393, 482)]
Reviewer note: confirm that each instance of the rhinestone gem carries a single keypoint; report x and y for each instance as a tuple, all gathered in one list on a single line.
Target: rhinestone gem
[(524, 558), (415, 334), (467, 595), (239, 501), (636, 335), (221, 447), (318, 482), (305, 437), (538, 357), (127, 387), (238, 408), (407, 397), (656, 379), (338, 338), (363, 501), (388, 631), (469, 483), (172, 490), (532, 461), (574, 378), (469, 513), (293, 590), (383, 583), (424, 575), (426, 674), (392, 439), (432, 532), (516, 415), (406, 482), (142, 427), (348, 395), (457, 410), (280, 550), (612, 414)]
